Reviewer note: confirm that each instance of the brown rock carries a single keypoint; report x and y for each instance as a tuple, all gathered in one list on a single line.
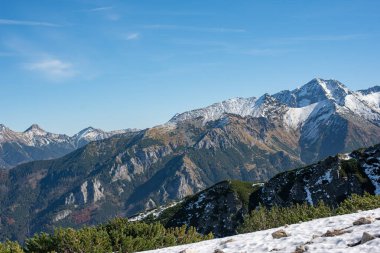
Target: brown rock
[(279, 234), (335, 232), (363, 221), (300, 249)]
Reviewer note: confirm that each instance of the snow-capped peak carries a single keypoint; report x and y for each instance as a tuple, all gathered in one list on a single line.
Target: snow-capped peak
[(3, 128), (239, 106), (297, 106), (314, 91)]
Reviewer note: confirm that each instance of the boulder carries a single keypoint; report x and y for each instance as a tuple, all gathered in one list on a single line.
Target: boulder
[(279, 234), (335, 232), (366, 237), (363, 221), (300, 249)]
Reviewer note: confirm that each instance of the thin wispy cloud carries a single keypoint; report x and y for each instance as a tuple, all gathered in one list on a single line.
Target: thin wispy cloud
[(194, 28), (54, 69), (26, 23), (315, 38), (132, 36)]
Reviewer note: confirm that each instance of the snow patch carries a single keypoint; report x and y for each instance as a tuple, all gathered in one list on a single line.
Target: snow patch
[(327, 176), (308, 196), (296, 117), (373, 174), (300, 234)]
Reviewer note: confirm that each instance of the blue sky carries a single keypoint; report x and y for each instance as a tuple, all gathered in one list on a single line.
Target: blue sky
[(70, 64)]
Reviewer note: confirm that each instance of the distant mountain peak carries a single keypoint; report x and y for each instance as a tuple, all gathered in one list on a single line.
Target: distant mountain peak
[(34, 127), (88, 129), (371, 90), (35, 130), (3, 127)]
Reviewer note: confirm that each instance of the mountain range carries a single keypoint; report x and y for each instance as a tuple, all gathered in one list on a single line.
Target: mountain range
[(249, 139), (37, 144)]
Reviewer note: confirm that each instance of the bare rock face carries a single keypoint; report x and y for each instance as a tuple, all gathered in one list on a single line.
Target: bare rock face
[(363, 221), (219, 209), (279, 234), (366, 237)]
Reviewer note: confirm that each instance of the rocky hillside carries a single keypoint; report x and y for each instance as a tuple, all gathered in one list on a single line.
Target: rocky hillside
[(220, 208), (245, 139), (37, 144)]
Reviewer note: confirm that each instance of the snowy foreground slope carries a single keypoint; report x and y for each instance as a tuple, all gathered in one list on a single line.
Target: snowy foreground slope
[(307, 234)]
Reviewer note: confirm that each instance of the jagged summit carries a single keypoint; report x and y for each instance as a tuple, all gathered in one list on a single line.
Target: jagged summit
[(3, 127), (314, 91), (35, 128)]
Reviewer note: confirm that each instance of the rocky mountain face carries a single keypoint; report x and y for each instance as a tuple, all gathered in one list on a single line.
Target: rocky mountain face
[(37, 144), (220, 208), (245, 139)]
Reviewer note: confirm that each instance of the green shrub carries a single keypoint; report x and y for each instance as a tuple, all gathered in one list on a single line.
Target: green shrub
[(10, 247), (356, 202), (118, 235), (263, 218)]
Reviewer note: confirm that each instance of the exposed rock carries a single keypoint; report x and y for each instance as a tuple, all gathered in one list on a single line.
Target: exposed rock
[(363, 221), (218, 251), (188, 251), (300, 249), (61, 215), (98, 190), (279, 234), (83, 189), (366, 237), (335, 232), (226, 241)]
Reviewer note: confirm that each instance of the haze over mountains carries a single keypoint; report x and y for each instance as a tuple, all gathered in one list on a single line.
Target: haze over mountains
[(249, 139)]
